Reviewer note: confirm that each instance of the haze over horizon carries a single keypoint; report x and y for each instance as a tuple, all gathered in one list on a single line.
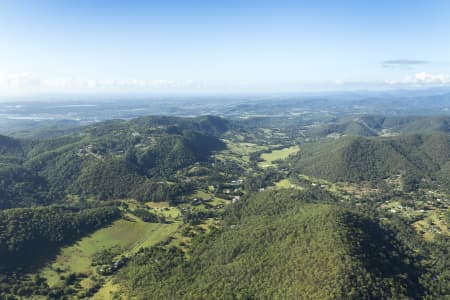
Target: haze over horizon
[(206, 47)]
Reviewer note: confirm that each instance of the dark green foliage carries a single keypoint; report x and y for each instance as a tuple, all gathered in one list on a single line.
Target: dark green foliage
[(147, 216), (410, 181), (266, 177), (106, 256), (202, 145), (350, 159), (373, 159), (197, 217), (10, 146), (108, 179), (162, 191), (20, 187), (173, 152), (61, 172), (353, 127), (151, 271), (26, 233), (208, 125), (416, 124), (169, 154), (277, 246), (372, 125), (443, 176)]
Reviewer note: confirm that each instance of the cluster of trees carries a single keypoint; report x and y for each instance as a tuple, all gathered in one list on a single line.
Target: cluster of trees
[(196, 217), (105, 256), (115, 179), (20, 187), (173, 152), (147, 216), (172, 192), (267, 177), (13, 287)]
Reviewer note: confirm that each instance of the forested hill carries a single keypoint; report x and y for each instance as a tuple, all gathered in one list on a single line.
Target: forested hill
[(111, 159), (9, 146), (373, 125), (372, 159), (281, 245)]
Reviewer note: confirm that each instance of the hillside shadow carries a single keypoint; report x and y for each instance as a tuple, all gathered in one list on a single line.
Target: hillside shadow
[(383, 254), (38, 255)]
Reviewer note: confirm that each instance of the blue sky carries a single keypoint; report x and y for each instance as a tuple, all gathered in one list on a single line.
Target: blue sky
[(184, 46)]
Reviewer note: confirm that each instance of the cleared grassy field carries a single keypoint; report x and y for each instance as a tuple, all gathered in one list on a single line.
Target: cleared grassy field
[(214, 200), (157, 204), (130, 235), (431, 226), (159, 233), (286, 184), (239, 152), (244, 148), (283, 184), (202, 194), (269, 158)]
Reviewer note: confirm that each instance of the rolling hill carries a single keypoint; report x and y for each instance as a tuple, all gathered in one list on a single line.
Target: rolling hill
[(111, 159), (373, 125)]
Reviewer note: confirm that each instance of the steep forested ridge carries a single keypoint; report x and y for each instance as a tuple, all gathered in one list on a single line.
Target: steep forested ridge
[(372, 159)]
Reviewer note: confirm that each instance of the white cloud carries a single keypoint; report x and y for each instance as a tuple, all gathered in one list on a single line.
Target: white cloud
[(423, 78), (28, 82), (140, 83), (19, 80)]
